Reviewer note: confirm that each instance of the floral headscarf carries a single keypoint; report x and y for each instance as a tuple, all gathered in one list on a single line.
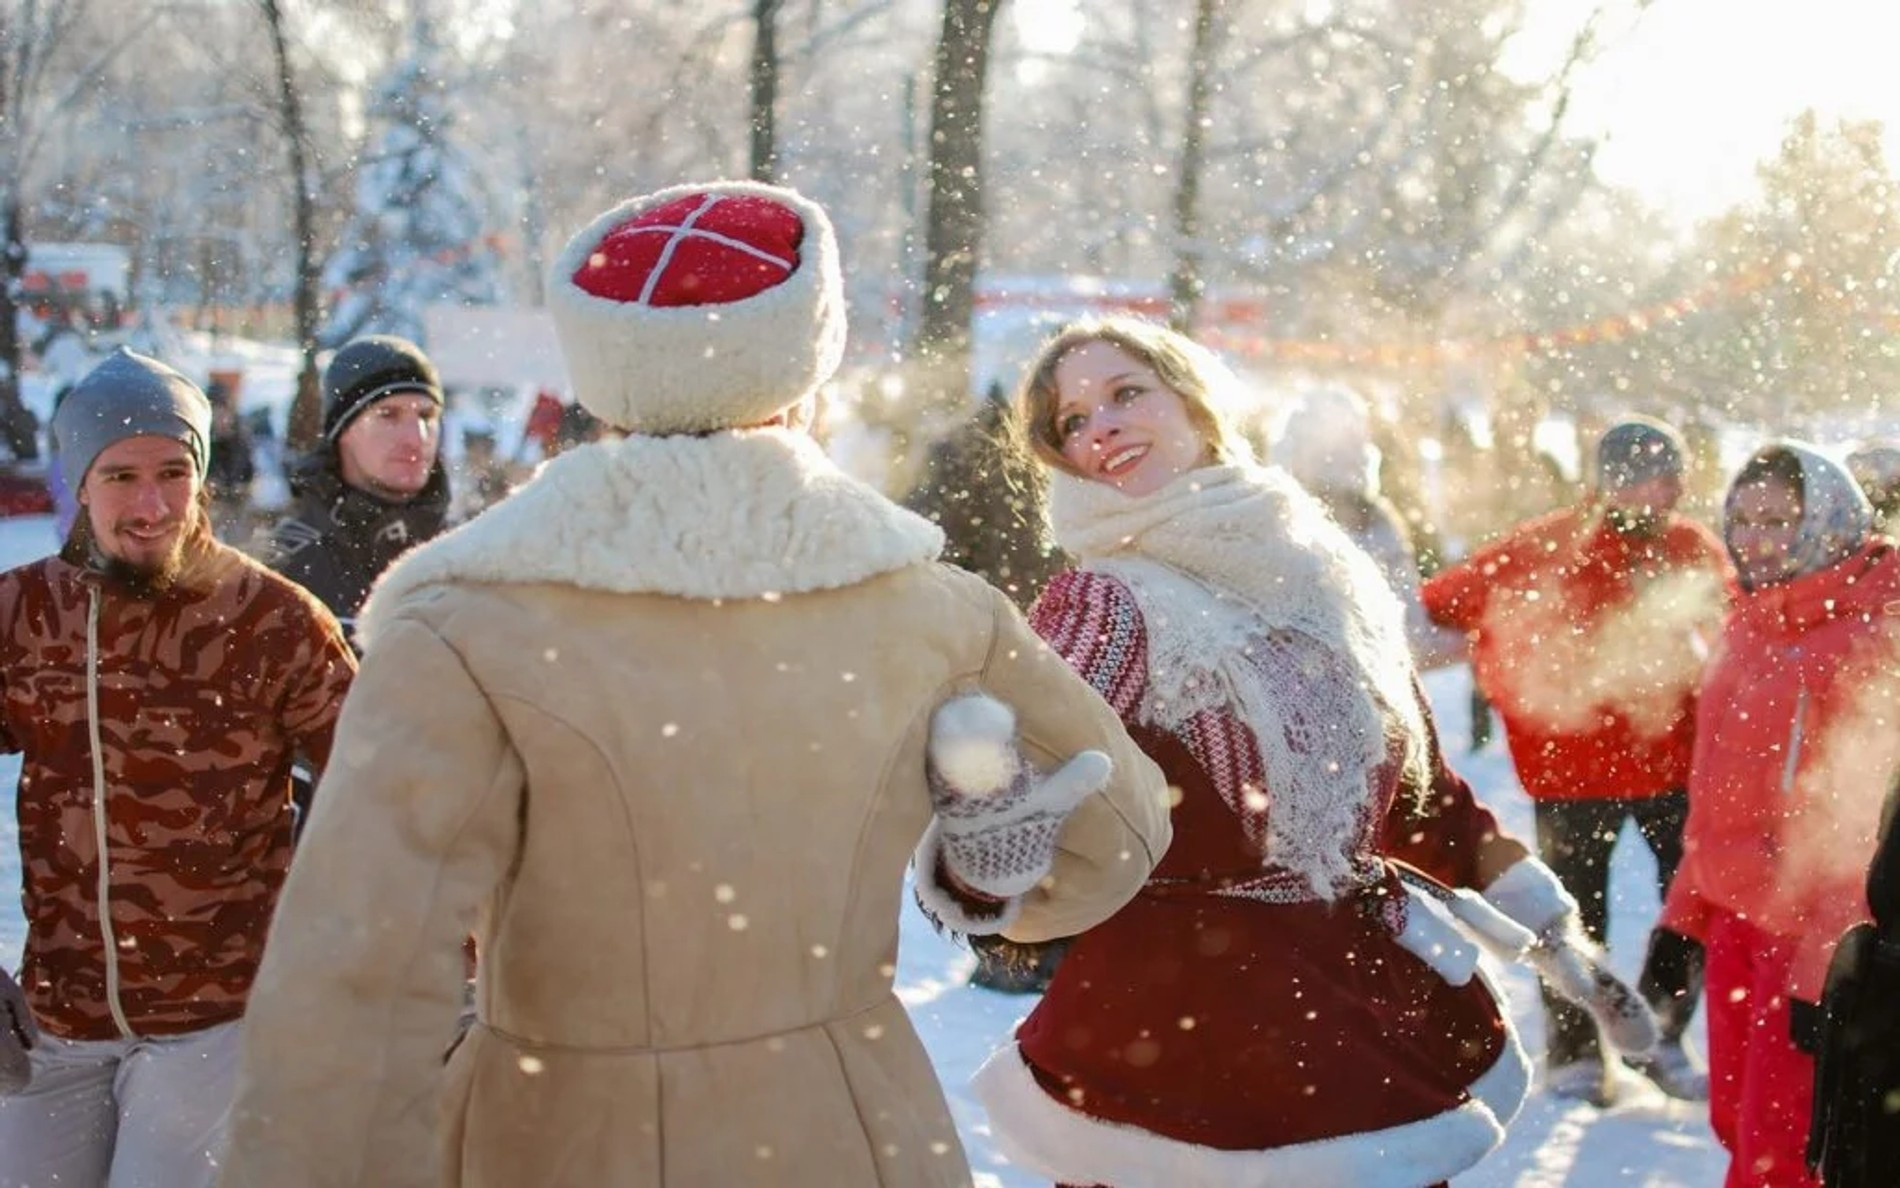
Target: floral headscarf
[(1836, 518)]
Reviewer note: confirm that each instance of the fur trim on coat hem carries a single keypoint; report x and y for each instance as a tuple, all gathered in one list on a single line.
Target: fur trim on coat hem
[(1049, 1138)]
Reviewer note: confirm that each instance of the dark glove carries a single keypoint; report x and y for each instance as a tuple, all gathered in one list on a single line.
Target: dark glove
[(18, 1035), (1852, 1139)]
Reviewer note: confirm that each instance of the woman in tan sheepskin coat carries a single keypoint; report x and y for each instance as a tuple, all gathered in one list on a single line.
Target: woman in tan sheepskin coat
[(654, 729)]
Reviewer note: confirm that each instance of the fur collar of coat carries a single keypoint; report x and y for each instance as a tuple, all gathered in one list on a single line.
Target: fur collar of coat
[(741, 514)]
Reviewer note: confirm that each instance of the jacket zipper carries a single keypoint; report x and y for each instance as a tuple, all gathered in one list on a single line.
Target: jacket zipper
[(106, 932), (1793, 761)]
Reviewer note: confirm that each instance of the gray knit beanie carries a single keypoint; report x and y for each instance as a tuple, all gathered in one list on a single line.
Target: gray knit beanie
[(129, 395), (1635, 450)]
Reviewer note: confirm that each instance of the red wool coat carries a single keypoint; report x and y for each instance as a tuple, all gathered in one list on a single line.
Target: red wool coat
[(1225, 1027), (1589, 644), (1796, 744)]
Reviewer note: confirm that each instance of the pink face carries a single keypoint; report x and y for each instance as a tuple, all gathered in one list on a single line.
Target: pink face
[(1763, 521), (141, 496), (1653, 496), (1644, 507), (1119, 424), (389, 449)]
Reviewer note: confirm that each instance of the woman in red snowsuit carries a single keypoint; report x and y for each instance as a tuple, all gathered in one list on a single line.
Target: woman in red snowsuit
[(1795, 745), (1274, 1007)]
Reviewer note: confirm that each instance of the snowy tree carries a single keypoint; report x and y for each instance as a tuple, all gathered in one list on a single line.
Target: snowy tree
[(304, 414), (954, 225), (46, 65), (1775, 313), (1825, 236), (418, 234), (983, 488), (764, 78)]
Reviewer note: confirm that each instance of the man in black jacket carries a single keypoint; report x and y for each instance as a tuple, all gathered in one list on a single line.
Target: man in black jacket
[(374, 487)]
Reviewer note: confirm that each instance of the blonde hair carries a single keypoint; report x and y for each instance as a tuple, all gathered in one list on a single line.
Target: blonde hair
[(1188, 369)]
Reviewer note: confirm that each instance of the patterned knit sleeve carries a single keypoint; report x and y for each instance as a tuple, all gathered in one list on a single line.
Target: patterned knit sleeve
[(1227, 751), (1092, 622)]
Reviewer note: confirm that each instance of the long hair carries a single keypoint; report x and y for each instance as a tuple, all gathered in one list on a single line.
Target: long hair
[(1205, 385)]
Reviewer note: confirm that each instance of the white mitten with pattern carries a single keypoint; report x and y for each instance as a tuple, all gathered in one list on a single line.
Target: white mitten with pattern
[(1573, 967), (996, 818), (1530, 893)]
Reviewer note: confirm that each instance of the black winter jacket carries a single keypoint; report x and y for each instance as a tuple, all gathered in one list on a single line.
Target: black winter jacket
[(337, 540), (1854, 1130)]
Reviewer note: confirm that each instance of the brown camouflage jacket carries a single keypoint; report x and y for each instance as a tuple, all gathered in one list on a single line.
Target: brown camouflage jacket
[(205, 693)]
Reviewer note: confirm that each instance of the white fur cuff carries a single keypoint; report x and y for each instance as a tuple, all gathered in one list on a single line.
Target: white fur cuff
[(1501, 936), (1433, 936), (1531, 894), (942, 903)]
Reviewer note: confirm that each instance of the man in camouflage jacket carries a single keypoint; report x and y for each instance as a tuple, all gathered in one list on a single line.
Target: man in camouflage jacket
[(158, 684)]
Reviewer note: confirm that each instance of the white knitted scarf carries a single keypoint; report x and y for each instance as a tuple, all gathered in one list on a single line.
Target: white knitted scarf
[(1257, 603)]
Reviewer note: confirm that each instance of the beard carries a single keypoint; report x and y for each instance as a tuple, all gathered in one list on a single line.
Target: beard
[(148, 578), (1641, 523)]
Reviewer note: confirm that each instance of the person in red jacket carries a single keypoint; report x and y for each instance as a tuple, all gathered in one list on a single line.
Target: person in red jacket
[(1795, 744), (1589, 629)]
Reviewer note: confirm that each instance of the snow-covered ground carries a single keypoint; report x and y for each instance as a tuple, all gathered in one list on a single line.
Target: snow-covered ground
[(1648, 1142)]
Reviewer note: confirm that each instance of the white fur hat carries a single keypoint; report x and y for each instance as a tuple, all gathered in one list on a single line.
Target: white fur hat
[(700, 307)]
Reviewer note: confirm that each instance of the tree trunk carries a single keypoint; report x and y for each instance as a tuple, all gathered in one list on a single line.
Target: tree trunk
[(16, 424), (953, 230), (1186, 284), (306, 410), (19, 430), (765, 89)]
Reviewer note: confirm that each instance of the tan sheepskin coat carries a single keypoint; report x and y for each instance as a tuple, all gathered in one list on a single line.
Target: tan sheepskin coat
[(653, 730)]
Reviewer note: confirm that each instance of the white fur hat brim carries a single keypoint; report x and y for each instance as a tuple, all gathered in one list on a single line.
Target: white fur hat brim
[(697, 368)]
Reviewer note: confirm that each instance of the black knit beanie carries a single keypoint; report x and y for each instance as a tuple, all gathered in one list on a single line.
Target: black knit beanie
[(364, 370)]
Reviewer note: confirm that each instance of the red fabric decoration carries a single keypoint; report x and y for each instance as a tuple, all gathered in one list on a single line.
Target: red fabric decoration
[(703, 249), (23, 495), (544, 419)]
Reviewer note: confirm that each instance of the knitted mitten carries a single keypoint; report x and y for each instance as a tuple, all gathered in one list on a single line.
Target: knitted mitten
[(1573, 967), (1530, 893), (996, 818)]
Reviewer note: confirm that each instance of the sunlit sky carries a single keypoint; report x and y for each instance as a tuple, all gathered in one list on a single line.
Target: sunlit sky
[(1691, 95), (1696, 93)]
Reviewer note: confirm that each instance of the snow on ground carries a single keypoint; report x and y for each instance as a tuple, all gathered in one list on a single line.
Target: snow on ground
[(1647, 1141)]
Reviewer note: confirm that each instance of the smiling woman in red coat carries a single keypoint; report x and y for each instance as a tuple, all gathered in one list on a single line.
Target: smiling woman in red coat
[(1275, 1006), (1794, 735)]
